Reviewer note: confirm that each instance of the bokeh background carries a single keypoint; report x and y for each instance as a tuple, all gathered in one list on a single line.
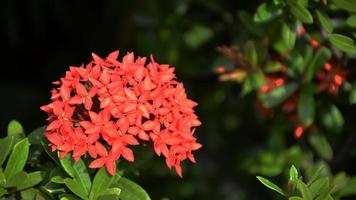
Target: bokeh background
[(40, 39)]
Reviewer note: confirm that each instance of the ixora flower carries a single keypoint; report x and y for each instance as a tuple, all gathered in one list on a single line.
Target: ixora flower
[(108, 106)]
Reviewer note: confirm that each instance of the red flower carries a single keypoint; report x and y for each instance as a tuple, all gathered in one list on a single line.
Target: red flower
[(107, 106)]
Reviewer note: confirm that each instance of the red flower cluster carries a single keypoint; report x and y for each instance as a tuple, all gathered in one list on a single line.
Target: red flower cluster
[(107, 106)]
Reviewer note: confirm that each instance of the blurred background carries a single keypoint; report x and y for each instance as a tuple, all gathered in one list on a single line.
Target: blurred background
[(41, 39)]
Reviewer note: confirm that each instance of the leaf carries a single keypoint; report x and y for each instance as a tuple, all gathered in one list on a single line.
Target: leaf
[(36, 135), (68, 197), (279, 94), (289, 36), (15, 130), (304, 190), (317, 62), (349, 5), (250, 53), (300, 12), (29, 194), (349, 189), (352, 96), (76, 187), (102, 181), (49, 152), (270, 185), (5, 148), (27, 180), (2, 192), (2, 178), (351, 21), (110, 194), (332, 119), (319, 187), (321, 146), (17, 159), (293, 173), (343, 43), (57, 179), (265, 12), (306, 106), (249, 24), (295, 198), (131, 191), (197, 36), (324, 21), (78, 171)]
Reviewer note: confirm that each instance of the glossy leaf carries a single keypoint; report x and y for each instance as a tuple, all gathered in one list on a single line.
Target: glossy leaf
[(5, 148), (325, 21), (349, 5), (17, 159), (15, 129), (342, 42), (27, 180), (279, 94), (270, 185), (77, 170), (130, 190), (68, 197), (102, 181), (300, 12), (76, 187), (293, 173), (304, 190), (110, 194)]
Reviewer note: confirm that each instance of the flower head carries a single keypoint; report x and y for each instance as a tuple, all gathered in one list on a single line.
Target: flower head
[(108, 106)]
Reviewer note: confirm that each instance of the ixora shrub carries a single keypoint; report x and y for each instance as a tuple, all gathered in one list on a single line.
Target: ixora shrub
[(97, 116), (298, 59)]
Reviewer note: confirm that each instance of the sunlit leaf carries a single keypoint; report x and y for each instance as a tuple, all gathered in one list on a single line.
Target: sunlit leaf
[(17, 159), (130, 190), (270, 185)]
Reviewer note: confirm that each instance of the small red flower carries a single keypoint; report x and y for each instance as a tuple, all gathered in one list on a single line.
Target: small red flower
[(108, 106)]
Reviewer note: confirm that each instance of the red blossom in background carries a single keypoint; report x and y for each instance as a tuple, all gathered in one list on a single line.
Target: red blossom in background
[(108, 106)]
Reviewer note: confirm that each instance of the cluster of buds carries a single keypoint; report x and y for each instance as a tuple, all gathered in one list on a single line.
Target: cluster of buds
[(106, 107)]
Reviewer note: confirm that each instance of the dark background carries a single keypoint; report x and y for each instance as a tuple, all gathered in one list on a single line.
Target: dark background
[(40, 39)]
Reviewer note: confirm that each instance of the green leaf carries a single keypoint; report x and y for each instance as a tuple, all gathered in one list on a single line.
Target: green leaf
[(300, 12), (250, 53), (272, 66), (343, 43), (325, 21), (304, 190), (319, 187), (270, 185), (332, 119), (2, 178), (349, 5), (68, 197), (27, 180), (295, 198), (102, 181), (29, 194), (293, 173), (352, 96), (76, 187), (2, 192), (279, 94), (198, 35), (289, 36), (306, 106), (77, 170), (15, 129), (321, 146), (317, 62), (265, 12), (131, 191), (349, 189), (57, 179), (49, 152), (351, 21), (5, 148), (17, 159), (249, 24), (36, 135), (110, 194)]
